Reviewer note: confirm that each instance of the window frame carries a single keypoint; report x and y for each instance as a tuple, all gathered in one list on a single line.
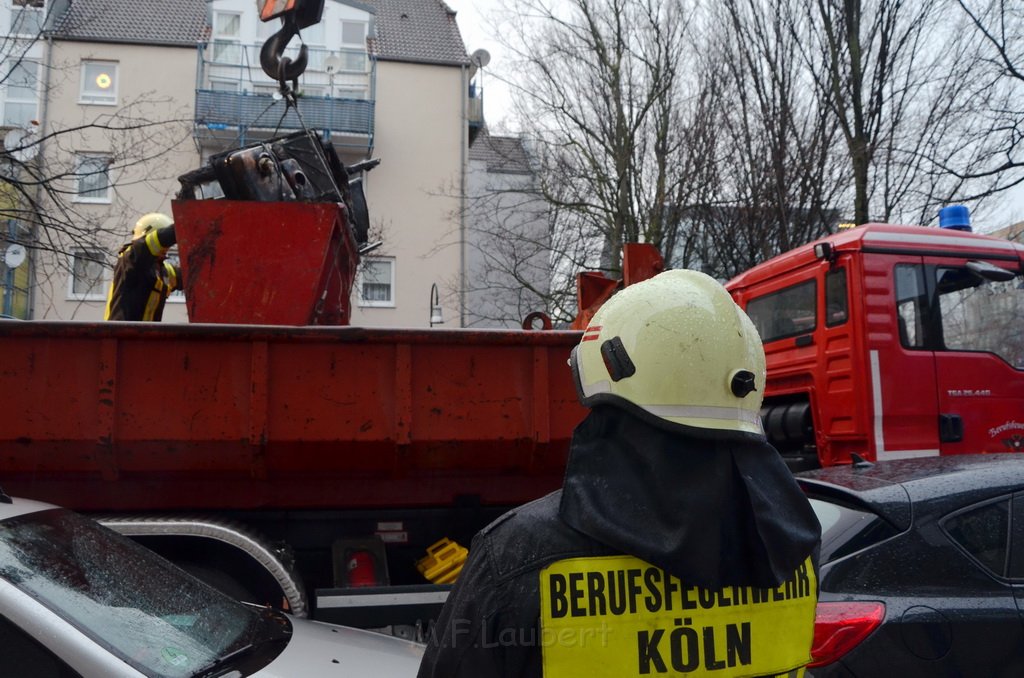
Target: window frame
[(34, 100), (218, 39), (945, 526), (98, 291), (16, 7), (353, 52), (107, 198), (371, 303), (102, 99)]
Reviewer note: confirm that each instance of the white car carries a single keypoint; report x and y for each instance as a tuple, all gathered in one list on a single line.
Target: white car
[(78, 600)]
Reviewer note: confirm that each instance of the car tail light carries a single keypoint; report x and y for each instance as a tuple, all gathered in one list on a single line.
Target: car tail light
[(841, 626)]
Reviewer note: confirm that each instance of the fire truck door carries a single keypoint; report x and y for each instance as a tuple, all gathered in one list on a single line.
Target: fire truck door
[(901, 367), (979, 353)]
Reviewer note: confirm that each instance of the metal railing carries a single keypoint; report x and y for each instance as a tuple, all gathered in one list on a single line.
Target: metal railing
[(336, 91)]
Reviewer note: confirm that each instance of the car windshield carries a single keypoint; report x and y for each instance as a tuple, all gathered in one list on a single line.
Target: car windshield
[(845, 530), (139, 606)]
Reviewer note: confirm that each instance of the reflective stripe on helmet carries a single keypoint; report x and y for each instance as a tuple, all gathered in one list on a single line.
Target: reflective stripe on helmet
[(682, 411), (704, 412)]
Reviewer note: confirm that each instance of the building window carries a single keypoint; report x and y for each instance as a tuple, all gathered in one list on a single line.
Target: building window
[(353, 34), (21, 99), (99, 83), (313, 36), (353, 42), (350, 92), (377, 282), (218, 85), (88, 275), (27, 17), (227, 37), (92, 173)]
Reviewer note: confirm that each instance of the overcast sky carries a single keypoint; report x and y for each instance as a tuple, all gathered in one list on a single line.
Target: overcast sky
[(472, 22), (472, 19)]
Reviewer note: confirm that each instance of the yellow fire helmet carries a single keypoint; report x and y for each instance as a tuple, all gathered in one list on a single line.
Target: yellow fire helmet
[(148, 222), (677, 351)]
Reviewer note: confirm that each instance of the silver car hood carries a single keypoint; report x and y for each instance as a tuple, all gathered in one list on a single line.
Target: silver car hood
[(319, 650)]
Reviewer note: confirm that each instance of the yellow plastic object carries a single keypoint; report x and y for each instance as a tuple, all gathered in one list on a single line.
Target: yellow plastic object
[(443, 562)]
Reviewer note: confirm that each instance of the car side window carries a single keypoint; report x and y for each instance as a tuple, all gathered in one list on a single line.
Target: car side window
[(26, 658), (984, 533)]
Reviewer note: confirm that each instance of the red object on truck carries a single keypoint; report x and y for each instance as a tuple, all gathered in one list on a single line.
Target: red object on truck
[(143, 417), (266, 263), (251, 446), (891, 341)]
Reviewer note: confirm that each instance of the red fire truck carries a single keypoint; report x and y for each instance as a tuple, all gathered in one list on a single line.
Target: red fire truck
[(891, 341)]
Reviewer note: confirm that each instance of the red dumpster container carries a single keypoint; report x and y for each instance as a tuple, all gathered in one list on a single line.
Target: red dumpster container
[(266, 263)]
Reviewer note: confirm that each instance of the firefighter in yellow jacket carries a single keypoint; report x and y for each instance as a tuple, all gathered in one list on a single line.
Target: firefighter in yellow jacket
[(142, 277), (679, 544)]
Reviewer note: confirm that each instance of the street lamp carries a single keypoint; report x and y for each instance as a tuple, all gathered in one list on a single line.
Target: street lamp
[(435, 307)]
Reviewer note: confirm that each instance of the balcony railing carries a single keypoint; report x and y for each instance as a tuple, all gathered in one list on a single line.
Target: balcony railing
[(335, 93)]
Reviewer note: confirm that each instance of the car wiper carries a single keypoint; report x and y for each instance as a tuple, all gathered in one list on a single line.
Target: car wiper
[(221, 664), (219, 667)]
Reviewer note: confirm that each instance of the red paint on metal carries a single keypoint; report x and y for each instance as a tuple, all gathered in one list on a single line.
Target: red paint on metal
[(640, 261), (834, 367), (235, 417), (265, 263)]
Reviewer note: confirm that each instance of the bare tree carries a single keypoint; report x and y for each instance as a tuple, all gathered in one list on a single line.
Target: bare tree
[(1000, 26), (41, 171), (903, 82), (728, 132), (776, 175), (601, 82)]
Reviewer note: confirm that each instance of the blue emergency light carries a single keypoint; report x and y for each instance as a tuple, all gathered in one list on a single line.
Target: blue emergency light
[(955, 217)]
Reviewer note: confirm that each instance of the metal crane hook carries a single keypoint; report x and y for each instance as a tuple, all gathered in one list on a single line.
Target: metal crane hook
[(278, 67)]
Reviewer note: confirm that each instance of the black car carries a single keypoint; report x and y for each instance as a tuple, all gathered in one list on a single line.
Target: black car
[(922, 567)]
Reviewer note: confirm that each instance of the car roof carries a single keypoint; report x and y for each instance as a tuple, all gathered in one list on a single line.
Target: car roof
[(11, 507), (891, 488)]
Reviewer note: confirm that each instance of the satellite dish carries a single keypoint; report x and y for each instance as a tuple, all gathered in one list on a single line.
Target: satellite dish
[(22, 144), (15, 255), (480, 58), (332, 64)]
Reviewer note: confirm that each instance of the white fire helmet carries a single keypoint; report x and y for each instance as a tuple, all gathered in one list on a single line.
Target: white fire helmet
[(678, 351), (148, 222)]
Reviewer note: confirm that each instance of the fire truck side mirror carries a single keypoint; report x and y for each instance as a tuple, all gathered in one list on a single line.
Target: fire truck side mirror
[(990, 271), (823, 250)]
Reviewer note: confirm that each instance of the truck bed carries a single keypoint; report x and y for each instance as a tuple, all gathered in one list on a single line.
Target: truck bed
[(140, 416)]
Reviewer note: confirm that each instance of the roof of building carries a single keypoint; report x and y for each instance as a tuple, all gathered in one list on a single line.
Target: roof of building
[(505, 155), (419, 31), (149, 22)]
